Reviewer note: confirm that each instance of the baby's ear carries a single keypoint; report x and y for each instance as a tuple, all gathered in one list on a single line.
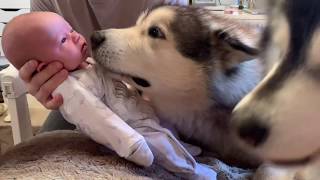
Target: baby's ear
[(41, 66), (236, 45)]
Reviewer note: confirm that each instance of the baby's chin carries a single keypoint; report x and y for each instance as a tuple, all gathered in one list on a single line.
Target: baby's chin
[(81, 64), (73, 67)]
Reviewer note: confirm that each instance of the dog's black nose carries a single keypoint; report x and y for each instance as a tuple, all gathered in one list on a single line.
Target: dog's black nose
[(253, 133), (97, 38)]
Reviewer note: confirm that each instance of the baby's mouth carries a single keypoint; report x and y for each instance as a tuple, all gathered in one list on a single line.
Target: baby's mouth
[(84, 48)]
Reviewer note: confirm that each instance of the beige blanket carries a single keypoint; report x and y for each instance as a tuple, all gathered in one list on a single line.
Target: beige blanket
[(71, 155)]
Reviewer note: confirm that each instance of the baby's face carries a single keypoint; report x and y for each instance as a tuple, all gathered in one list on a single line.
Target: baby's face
[(59, 42)]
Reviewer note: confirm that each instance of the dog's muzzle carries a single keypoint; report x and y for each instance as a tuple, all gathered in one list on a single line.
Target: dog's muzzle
[(97, 38), (250, 130)]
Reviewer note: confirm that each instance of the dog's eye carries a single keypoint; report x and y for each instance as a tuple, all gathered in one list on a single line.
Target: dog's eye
[(155, 32)]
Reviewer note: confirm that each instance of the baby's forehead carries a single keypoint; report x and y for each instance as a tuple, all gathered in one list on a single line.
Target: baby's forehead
[(49, 30), (40, 30), (47, 22)]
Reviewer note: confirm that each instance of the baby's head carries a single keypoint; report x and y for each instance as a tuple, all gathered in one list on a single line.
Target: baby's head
[(43, 36)]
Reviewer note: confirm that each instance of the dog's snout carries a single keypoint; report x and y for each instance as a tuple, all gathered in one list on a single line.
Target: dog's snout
[(253, 132), (97, 38)]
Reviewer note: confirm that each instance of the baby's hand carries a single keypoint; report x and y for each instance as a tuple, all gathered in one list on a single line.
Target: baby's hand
[(128, 103)]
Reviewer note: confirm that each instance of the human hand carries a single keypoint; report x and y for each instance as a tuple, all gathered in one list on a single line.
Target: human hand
[(42, 84)]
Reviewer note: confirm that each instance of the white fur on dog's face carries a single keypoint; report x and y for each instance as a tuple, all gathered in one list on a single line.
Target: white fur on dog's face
[(292, 116), (133, 52), (287, 101)]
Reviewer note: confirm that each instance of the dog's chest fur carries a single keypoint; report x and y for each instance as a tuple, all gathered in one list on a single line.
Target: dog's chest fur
[(200, 115)]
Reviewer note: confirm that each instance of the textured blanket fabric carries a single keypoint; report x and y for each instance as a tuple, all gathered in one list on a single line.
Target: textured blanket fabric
[(71, 155)]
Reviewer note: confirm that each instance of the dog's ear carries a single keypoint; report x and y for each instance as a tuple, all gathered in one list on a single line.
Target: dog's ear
[(236, 46)]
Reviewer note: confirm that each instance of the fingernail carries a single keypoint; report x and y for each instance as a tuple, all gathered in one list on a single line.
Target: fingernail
[(33, 63), (64, 72), (58, 65)]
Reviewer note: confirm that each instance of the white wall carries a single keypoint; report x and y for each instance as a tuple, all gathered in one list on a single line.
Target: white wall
[(226, 2), (259, 3)]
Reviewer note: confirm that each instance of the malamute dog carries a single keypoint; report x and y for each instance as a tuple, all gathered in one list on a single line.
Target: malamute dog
[(193, 66), (280, 119)]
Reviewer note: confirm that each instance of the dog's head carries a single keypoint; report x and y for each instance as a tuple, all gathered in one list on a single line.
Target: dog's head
[(173, 51), (280, 118)]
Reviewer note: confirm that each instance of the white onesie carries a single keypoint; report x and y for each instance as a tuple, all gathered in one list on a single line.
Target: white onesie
[(86, 98)]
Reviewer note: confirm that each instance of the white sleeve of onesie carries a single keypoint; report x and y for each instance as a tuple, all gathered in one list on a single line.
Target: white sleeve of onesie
[(86, 111)]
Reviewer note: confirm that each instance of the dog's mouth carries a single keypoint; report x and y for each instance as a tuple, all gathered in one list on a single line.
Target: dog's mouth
[(298, 162), (129, 78), (295, 162), (141, 82)]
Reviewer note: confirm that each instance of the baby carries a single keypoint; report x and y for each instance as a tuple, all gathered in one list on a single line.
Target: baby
[(48, 37), (88, 91)]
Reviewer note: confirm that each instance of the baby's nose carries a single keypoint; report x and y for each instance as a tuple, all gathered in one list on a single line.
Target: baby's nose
[(75, 36)]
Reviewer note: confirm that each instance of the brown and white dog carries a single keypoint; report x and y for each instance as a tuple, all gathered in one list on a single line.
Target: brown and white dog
[(280, 119), (193, 66)]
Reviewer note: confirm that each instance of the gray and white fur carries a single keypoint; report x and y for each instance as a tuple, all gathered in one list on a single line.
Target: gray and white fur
[(193, 66)]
